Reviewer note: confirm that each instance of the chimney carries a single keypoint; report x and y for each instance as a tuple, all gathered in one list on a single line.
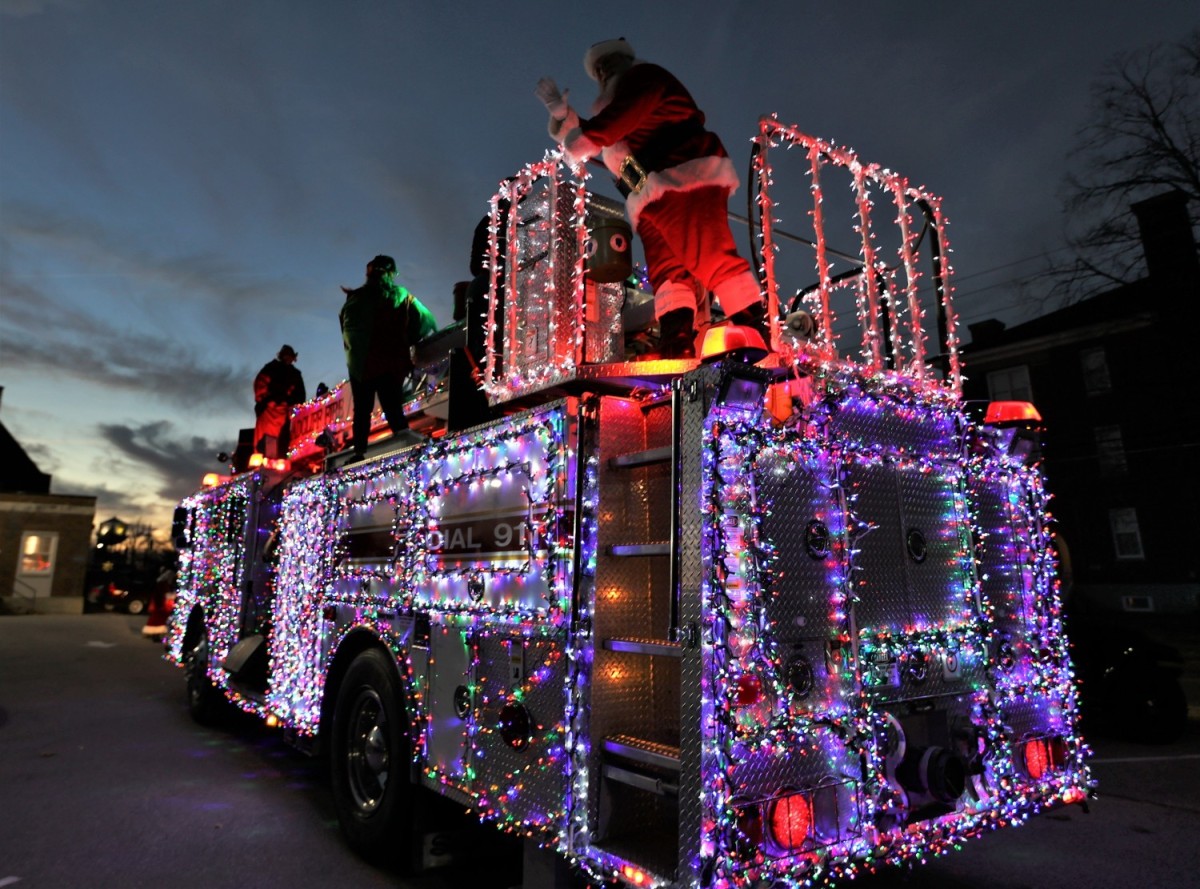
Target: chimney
[(984, 332), (1168, 242)]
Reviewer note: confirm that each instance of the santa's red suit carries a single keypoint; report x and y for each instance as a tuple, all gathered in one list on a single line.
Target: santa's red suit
[(679, 206)]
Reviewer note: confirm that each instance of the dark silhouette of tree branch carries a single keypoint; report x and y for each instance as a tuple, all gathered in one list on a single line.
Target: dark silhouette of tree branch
[(1142, 139)]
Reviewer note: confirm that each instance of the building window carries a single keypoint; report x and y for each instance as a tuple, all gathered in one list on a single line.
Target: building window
[(37, 552), (1110, 450), (1095, 371), (1127, 538), (1010, 384)]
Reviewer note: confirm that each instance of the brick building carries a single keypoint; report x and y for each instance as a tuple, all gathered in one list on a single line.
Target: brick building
[(45, 539), (1113, 377)]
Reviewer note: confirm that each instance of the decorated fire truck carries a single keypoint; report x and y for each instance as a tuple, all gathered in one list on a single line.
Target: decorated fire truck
[(751, 619)]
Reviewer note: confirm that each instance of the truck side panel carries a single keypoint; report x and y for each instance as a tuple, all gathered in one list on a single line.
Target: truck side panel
[(457, 555)]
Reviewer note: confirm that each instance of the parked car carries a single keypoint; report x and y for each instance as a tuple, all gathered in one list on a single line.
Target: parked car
[(1130, 681), (130, 594)]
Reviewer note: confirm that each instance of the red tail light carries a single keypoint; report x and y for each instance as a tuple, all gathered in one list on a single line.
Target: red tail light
[(1044, 755), (790, 820)]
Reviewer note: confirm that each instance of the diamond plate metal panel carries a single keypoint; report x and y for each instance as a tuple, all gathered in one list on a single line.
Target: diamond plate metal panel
[(1004, 554), (903, 581), (632, 694), (536, 335), (878, 559), (820, 756), (549, 328), (937, 582), (526, 784), (694, 393), (794, 497), (446, 728), (866, 421), (604, 336), (1032, 717)]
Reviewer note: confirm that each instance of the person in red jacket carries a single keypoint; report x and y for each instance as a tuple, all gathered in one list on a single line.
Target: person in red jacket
[(676, 177), (278, 388)]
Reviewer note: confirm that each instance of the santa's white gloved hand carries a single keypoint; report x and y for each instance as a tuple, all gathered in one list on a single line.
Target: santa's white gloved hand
[(555, 102)]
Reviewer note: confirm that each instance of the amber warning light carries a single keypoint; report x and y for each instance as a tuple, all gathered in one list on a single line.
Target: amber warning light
[(259, 461)]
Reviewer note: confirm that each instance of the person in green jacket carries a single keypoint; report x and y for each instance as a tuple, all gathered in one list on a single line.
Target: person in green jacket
[(380, 321)]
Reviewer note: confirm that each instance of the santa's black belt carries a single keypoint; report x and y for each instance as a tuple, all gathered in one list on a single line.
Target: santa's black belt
[(631, 175)]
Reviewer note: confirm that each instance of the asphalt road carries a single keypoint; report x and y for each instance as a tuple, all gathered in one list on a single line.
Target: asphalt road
[(106, 782)]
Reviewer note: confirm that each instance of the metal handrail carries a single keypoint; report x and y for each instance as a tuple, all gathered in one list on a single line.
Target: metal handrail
[(31, 595)]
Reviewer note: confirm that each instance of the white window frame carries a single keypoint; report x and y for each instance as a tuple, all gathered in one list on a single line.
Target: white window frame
[(35, 544), (1093, 362), (1110, 450), (1123, 523), (1010, 384)]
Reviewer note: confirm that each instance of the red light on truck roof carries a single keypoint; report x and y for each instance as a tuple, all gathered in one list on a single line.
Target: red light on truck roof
[(1006, 412)]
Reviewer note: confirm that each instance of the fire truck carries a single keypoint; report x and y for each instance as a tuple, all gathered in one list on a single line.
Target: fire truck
[(768, 617)]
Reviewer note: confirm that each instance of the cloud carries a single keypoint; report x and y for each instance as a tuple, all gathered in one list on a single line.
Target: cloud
[(136, 364), (25, 8), (143, 471), (178, 461), (120, 503), (40, 337), (79, 253), (120, 318)]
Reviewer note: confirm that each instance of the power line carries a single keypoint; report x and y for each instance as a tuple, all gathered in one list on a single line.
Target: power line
[(1045, 254)]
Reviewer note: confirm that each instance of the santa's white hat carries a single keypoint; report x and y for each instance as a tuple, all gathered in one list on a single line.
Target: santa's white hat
[(597, 51)]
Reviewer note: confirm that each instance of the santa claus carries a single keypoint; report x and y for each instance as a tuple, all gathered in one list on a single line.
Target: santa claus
[(676, 177)]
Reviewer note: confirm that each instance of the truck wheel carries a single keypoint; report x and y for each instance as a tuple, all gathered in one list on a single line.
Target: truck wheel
[(370, 762), (204, 699)]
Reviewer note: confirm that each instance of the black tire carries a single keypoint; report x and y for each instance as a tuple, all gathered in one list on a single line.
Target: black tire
[(135, 606), (370, 761), (205, 701)]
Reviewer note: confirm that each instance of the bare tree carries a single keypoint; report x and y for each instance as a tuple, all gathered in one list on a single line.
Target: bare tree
[(1143, 139)]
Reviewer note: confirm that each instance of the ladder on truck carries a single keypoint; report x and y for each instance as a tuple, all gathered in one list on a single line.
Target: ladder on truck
[(636, 689)]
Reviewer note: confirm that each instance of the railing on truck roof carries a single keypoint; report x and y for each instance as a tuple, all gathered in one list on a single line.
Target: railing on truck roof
[(549, 323), (882, 275)]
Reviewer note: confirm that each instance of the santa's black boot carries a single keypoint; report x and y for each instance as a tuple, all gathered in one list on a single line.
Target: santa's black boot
[(677, 336), (753, 316)]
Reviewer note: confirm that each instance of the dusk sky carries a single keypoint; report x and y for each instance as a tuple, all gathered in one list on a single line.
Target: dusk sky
[(185, 185)]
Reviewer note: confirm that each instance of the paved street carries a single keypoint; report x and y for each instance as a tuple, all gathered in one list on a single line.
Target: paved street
[(106, 782)]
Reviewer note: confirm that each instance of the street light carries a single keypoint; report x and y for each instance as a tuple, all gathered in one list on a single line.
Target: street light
[(111, 532)]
